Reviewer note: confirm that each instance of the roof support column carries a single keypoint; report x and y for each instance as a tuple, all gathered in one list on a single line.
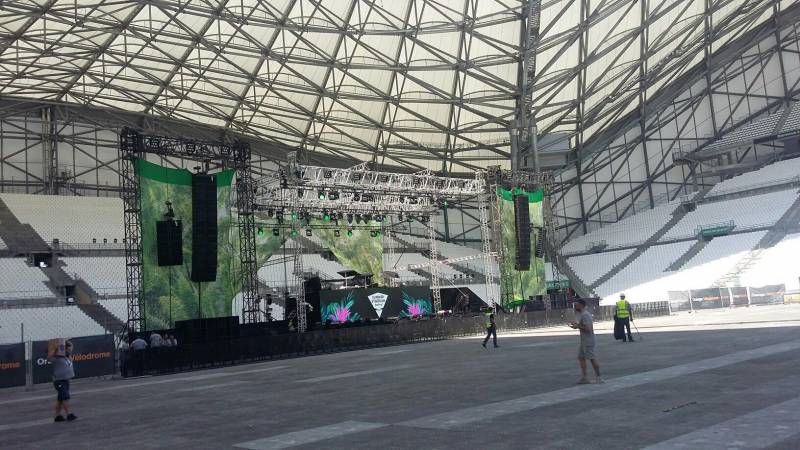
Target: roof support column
[(523, 139), (643, 54)]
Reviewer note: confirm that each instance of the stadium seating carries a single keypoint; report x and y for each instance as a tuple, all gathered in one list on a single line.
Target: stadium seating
[(775, 173), (591, 267), (649, 266), (746, 212), (106, 275), (643, 281), (70, 219), (629, 231), (776, 265), (19, 281), (46, 323), (3, 245), (745, 134)]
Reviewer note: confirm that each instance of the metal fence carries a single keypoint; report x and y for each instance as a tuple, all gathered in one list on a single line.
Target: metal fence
[(191, 356)]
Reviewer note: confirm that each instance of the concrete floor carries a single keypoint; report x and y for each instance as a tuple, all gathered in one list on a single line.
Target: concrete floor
[(716, 379)]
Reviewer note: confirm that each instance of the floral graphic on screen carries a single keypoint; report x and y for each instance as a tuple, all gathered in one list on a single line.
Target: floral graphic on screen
[(415, 307), (339, 312)]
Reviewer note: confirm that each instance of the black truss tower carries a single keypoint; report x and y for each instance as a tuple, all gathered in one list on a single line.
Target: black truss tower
[(134, 145)]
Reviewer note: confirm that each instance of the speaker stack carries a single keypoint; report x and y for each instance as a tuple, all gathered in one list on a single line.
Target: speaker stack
[(523, 232), (169, 242), (204, 228), (541, 237)]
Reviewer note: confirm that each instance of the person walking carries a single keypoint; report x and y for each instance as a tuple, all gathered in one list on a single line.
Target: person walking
[(491, 330), (624, 316), (63, 371), (585, 324)]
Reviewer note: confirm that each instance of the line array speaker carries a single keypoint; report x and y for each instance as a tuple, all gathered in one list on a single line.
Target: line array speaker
[(522, 221), (204, 227), (541, 237), (169, 242)]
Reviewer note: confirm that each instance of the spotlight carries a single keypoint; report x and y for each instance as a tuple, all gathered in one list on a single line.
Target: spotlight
[(308, 232), (270, 212), (409, 219), (357, 176), (260, 231), (276, 232), (358, 218), (384, 178), (300, 193), (356, 197), (349, 218), (326, 217), (349, 232), (333, 195), (294, 233), (337, 233), (378, 218), (327, 174), (367, 217), (321, 195)]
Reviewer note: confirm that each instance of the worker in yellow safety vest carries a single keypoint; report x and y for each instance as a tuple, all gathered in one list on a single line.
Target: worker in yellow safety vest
[(623, 315), (491, 330)]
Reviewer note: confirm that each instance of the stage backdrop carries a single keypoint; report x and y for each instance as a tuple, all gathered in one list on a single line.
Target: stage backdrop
[(350, 305), (169, 293), (516, 286), (361, 252)]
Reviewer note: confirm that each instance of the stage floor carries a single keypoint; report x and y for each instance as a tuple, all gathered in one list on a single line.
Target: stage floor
[(715, 379)]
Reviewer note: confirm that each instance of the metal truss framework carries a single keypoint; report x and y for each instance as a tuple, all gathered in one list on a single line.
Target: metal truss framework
[(133, 145), (404, 84), (628, 167), (300, 189)]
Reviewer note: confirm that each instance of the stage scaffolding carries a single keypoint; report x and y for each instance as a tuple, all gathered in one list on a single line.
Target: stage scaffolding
[(134, 145), (314, 190)]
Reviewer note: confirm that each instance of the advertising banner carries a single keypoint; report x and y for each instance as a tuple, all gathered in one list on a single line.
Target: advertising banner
[(767, 295), (93, 356), (352, 305), (12, 365)]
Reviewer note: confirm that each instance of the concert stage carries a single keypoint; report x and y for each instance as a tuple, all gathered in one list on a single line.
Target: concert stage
[(693, 376)]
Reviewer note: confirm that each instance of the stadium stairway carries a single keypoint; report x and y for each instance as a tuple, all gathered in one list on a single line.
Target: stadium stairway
[(787, 223), (677, 215), (575, 281), (696, 248), (477, 277), (20, 238), (103, 317)]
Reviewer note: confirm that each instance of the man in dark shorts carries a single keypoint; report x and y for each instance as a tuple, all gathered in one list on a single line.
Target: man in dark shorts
[(63, 371), (586, 350)]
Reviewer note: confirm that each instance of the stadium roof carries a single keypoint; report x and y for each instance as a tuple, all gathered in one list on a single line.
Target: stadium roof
[(416, 83)]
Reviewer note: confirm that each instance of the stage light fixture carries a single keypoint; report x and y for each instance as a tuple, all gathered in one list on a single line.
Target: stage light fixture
[(337, 233), (276, 232), (409, 219), (340, 216), (356, 197), (384, 178), (326, 217), (308, 232), (260, 231), (357, 176), (294, 216), (349, 218), (372, 233), (321, 195), (327, 174), (333, 195), (367, 217), (270, 212), (300, 193), (378, 218), (358, 218), (294, 233), (349, 232)]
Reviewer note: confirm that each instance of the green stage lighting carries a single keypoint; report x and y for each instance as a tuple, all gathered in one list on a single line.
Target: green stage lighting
[(349, 233), (260, 232), (294, 233), (294, 216), (326, 217)]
